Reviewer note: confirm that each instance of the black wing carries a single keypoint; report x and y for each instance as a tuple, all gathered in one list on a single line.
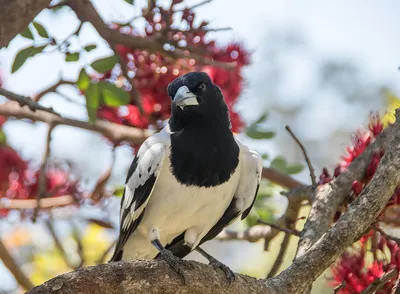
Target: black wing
[(139, 184)]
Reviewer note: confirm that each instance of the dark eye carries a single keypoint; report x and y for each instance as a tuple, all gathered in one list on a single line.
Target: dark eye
[(202, 87)]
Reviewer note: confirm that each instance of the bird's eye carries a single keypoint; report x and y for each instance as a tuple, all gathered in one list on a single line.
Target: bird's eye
[(202, 87)]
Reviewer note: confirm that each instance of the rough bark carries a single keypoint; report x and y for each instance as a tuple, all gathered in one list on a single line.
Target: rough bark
[(153, 276), (15, 16)]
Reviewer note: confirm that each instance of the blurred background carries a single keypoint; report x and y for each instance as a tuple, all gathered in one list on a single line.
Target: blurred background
[(319, 67)]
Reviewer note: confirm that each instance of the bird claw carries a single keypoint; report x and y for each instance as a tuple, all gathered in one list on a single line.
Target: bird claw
[(176, 264), (229, 274)]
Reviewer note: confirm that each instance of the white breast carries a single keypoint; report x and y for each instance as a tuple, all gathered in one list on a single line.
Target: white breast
[(175, 208)]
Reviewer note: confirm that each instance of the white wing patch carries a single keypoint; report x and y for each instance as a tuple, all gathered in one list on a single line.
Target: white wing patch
[(150, 158), (250, 179)]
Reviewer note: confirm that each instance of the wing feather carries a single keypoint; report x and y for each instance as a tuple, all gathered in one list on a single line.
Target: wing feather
[(139, 184)]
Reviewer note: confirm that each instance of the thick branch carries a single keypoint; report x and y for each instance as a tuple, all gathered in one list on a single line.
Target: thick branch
[(16, 15), (329, 196), (153, 276), (353, 223)]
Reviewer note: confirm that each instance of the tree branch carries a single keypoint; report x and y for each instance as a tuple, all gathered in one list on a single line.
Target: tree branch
[(116, 133), (281, 254), (352, 224), (14, 268), (329, 196), (87, 13), (303, 149), (380, 282), (16, 15), (23, 100), (45, 203), (152, 276)]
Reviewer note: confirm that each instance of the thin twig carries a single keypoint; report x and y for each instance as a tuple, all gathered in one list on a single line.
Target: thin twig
[(252, 234), (279, 259), (42, 191), (385, 235), (396, 287), (58, 243), (78, 239), (310, 167), (51, 89), (339, 287), (104, 255), (98, 190), (14, 268), (23, 100), (277, 227), (194, 6), (378, 283)]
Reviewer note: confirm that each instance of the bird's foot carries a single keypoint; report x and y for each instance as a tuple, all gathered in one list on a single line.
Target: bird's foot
[(176, 264), (229, 274)]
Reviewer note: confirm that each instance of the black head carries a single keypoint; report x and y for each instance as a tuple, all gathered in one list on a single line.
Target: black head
[(196, 100)]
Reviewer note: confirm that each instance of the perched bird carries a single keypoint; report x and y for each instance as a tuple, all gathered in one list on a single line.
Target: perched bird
[(187, 182)]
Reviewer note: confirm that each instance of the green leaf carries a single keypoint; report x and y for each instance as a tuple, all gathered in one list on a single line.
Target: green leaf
[(265, 214), (23, 55), (83, 80), (118, 192), (279, 163), (254, 133), (89, 48), (105, 64), (3, 140), (112, 95), (261, 119), (131, 2), (294, 169), (40, 29), (93, 96), (27, 34), (264, 156), (72, 57)]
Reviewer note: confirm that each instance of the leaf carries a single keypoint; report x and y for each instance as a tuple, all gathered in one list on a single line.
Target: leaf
[(294, 169), (3, 139), (254, 133), (92, 95), (89, 48), (23, 55), (112, 95), (83, 80), (72, 57), (27, 34), (40, 29), (105, 64), (279, 163), (261, 119), (118, 192), (264, 156), (131, 2)]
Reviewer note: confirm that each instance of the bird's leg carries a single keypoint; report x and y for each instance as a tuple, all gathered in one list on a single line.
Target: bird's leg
[(230, 275), (174, 262)]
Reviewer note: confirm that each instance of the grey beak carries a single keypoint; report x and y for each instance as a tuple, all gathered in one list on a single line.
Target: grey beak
[(184, 97)]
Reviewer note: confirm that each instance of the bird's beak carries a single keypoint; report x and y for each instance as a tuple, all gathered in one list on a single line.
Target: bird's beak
[(184, 97)]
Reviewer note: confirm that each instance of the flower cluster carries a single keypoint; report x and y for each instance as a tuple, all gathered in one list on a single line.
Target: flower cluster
[(151, 73), (351, 268)]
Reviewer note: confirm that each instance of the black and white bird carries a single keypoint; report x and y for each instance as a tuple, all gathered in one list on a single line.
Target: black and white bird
[(189, 181)]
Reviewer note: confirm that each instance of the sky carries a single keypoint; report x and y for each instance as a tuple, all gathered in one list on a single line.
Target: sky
[(361, 31)]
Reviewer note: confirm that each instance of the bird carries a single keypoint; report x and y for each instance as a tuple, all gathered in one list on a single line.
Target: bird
[(187, 182)]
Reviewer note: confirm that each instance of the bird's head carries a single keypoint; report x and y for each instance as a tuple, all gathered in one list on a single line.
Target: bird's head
[(196, 100)]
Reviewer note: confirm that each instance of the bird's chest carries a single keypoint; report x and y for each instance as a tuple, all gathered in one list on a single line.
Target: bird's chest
[(203, 161)]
